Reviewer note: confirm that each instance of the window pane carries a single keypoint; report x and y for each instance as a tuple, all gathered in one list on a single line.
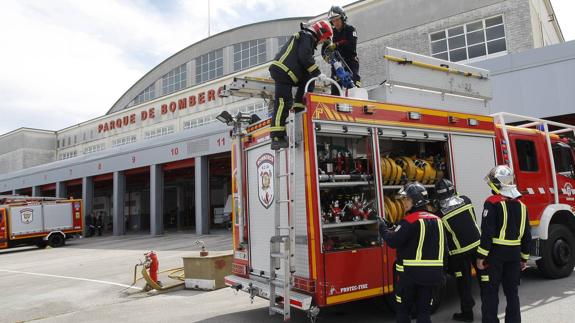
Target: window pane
[(496, 46), (493, 21), (456, 42), (474, 26), (495, 32), (458, 55), (437, 36), (477, 50), (439, 46), (441, 56), (475, 38), (526, 155), (455, 31)]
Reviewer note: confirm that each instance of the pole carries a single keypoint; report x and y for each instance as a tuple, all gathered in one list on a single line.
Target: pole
[(209, 19)]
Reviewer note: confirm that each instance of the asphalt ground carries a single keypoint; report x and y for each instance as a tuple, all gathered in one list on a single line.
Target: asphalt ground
[(89, 280)]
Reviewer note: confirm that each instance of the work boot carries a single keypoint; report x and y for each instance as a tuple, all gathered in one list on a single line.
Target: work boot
[(279, 143), (463, 317)]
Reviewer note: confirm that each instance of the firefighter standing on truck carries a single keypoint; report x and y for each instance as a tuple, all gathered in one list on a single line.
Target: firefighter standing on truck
[(293, 66), (504, 248), (345, 42), (421, 252), (458, 217)]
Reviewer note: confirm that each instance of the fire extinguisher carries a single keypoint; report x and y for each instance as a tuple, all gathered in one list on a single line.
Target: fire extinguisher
[(152, 264)]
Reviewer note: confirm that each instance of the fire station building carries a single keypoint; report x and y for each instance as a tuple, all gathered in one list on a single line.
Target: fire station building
[(159, 161)]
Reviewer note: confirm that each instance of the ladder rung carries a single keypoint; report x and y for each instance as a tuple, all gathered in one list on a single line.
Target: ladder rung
[(284, 201), (277, 255), (285, 175), (278, 282), (285, 228), (279, 310)]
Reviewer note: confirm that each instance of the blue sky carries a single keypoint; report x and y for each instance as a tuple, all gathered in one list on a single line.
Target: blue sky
[(66, 61)]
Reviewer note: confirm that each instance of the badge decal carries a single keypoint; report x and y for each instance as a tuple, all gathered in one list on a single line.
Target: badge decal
[(27, 216), (265, 169)]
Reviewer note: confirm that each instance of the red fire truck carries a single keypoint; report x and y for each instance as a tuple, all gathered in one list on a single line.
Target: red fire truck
[(38, 221), (305, 218)]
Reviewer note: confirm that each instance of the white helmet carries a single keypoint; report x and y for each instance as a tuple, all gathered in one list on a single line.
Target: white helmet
[(502, 181)]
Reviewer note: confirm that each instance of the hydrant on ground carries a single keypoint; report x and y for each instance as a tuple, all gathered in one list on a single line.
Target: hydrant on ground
[(152, 264)]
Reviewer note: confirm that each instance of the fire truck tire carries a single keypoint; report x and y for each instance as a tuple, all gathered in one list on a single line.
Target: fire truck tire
[(558, 254), (41, 244), (56, 240)]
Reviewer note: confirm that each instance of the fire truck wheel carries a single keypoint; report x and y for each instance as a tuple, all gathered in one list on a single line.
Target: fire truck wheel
[(558, 254), (41, 244), (56, 240)]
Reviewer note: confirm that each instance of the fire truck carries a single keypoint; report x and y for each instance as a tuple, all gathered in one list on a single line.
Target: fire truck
[(39, 221), (305, 231)]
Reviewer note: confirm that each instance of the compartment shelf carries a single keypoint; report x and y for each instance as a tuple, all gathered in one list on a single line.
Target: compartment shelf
[(343, 184), (396, 187), (347, 224)]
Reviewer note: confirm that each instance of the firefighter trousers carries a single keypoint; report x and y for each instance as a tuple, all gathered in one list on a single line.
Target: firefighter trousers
[(409, 294), (284, 100), (508, 274), (460, 267)]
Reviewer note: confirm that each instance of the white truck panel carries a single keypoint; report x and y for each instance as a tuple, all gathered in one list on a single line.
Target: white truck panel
[(26, 220), (473, 157), (58, 216)]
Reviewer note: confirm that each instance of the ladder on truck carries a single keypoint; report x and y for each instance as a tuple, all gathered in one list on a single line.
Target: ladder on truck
[(282, 243)]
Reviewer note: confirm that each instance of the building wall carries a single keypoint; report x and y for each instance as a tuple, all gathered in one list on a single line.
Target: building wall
[(544, 24), (25, 148)]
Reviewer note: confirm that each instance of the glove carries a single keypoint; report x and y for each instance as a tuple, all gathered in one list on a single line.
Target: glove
[(383, 227), (331, 47)]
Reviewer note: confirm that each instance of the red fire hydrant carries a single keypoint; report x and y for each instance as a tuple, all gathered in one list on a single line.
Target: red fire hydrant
[(152, 264)]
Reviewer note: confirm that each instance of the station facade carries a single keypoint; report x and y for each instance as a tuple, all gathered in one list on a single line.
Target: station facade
[(159, 161)]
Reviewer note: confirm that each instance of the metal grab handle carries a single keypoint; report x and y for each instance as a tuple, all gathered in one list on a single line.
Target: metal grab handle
[(332, 81)]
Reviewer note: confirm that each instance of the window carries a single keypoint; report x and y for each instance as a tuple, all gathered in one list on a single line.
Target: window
[(175, 80), (563, 156), (476, 39), (149, 93), (123, 141), (159, 132), (210, 66), (249, 53), (69, 141), (282, 40), (67, 155), (526, 155), (94, 148)]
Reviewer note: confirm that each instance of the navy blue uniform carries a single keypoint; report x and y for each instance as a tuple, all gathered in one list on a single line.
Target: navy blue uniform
[(345, 41), (505, 242), (421, 254)]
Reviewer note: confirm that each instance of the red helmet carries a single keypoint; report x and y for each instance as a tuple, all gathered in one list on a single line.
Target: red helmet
[(322, 30)]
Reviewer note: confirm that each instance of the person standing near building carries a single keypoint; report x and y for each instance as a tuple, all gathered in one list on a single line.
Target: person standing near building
[(99, 224), (421, 252), (345, 42), (294, 65), (504, 248), (458, 217)]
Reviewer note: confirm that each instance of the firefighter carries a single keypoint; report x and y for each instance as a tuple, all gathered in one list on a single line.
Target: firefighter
[(345, 42), (421, 252), (504, 248), (293, 66), (458, 217)]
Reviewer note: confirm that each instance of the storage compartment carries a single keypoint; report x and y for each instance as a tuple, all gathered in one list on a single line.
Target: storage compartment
[(407, 156), (348, 207)]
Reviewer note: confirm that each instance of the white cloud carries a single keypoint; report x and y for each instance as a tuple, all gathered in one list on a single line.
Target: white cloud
[(66, 61)]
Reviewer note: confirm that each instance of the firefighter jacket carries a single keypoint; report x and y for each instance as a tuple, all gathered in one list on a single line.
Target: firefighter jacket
[(421, 247), (460, 223), (296, 57), (346, 43), (505, 230)]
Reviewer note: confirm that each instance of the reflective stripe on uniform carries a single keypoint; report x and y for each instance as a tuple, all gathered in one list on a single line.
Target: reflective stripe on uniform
[(399, 268), (288, 50), (418, 254), (419, 251), (504, 226), (524, 256), (277, 121), (455, 241), (464, 249), (484, 278), (312, 68), (441, 240), (299, 105), (423, 263), (523, 220), (456, 212), (458, 274), (286, 69), (505, 242), (483, 251), (277, 128), (398, 298)]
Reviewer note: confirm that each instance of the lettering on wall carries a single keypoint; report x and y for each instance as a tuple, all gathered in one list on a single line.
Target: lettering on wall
[(182, 103)]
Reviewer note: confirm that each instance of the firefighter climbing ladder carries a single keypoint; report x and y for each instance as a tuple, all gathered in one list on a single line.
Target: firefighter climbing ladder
[(282, 244)]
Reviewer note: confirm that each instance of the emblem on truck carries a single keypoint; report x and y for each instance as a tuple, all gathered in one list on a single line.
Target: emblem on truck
[(265, 169), (27, 216)]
